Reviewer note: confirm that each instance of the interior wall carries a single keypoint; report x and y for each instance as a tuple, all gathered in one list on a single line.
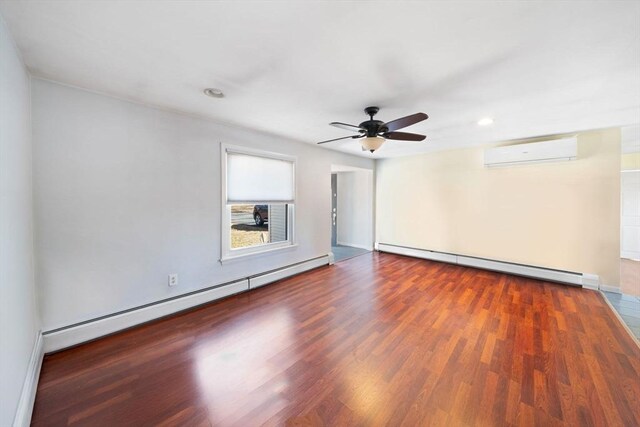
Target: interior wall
[(630, 161), (19, 320), (355, 209), (563, 215), (630, 215), (126, 194)]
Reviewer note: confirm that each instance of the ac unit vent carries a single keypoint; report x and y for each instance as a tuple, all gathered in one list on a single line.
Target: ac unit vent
[(536, 152)]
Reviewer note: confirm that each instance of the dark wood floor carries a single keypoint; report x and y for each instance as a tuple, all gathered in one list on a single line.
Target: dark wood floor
[(375, 340)]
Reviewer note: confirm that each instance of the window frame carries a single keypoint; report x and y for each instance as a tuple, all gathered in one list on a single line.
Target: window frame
[(227, 254)]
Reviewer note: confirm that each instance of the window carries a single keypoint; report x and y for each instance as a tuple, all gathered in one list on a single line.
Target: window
[(258, 191)]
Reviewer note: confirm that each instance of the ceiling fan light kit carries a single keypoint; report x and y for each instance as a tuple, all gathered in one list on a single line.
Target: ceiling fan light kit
[(372, 143), (373, 133)]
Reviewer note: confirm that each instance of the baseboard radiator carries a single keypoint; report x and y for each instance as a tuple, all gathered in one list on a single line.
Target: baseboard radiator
[(69, 336), (567, 277)]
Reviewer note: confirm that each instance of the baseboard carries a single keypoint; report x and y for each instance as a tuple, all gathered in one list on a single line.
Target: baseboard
[(632, 255), (356, 245), (568, 277), (609, 288), (591, 281), (272, 276), (30, 385), (77, 334), (72, 335), (418, 253), (523, 270)]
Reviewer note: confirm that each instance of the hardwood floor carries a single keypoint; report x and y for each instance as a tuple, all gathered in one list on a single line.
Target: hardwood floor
[(378, 339)]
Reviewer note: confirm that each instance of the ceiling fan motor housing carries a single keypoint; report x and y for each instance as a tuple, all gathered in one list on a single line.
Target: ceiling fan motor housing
[(373, 127)]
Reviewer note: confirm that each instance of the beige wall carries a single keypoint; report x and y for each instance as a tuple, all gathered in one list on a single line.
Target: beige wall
[(630, 161), (562, 215)]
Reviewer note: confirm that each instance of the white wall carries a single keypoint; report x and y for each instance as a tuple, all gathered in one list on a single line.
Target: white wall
[(630, 215), (563, 215), (126, 194), (19, 322), (355, 209)]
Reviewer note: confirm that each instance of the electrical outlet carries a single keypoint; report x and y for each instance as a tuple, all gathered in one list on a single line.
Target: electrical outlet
[(173, 279)]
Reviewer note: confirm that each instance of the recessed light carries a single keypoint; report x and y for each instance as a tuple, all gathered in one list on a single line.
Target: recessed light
[(213, 92), (486, 121)]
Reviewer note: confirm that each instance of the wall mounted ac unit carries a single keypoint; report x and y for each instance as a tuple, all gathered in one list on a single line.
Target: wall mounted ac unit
[(536, 152)]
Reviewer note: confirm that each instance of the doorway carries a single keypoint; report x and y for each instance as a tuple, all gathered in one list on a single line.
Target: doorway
[(630, 232), (351, 212)]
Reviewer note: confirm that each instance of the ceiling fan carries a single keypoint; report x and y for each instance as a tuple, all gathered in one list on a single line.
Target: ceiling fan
[(373, 133)]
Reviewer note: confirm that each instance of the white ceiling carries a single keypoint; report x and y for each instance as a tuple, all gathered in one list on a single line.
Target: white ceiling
[(291, 67)]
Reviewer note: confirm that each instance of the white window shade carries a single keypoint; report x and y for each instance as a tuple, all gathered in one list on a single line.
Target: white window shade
[(259, 179)]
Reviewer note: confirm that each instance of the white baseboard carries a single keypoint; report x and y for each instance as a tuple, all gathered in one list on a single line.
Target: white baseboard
[(61, 338), (418, 253), (609, 288), (74, 335), (632, 255), (536, 272), (591, 281), (30, 385), (272, 276), (522, 270), (356, 245), (332, 258)]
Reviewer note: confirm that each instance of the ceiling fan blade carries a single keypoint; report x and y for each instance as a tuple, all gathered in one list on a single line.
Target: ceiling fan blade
[(338, 139), (347, 126), (403, 122), (404, 136)]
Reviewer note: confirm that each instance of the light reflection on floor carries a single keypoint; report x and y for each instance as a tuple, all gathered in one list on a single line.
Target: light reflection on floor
[(232, 367)]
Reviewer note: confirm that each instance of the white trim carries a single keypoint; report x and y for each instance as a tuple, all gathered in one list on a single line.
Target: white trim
[(632, 255), (591, 281), (355, 245), (488, 264), (67, 337), (226, 253), (338, 168), (609, 288), (272, 276), (332, 258), (417, 253), (266, 249), (522, 270), (30, 386)]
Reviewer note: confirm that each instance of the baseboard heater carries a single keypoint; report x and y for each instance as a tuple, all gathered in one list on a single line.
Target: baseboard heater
[(72, 335), (567, 277)]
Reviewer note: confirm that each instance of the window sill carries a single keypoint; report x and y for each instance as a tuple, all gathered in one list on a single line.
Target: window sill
[(240, 257)]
